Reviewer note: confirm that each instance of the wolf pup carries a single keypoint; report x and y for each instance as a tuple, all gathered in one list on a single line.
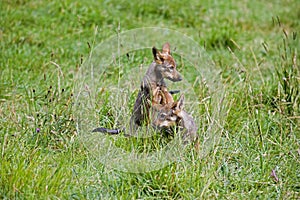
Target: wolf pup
[(153, 89), (160, 105), (163, 66), (172, 115)]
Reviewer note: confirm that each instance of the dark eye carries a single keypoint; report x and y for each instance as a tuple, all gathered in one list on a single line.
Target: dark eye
[(162, 115), (171, 68)]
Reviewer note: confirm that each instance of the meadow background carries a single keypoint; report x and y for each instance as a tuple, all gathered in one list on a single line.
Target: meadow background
[(256, 46)]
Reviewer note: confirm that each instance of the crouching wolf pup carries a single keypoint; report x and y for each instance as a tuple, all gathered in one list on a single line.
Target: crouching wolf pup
[(166, 118), (172, 115)]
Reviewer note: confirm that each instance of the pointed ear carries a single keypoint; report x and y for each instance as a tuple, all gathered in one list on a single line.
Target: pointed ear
[(157, 55), (154, 52), (178, 105), (166, 48), (180, 102)]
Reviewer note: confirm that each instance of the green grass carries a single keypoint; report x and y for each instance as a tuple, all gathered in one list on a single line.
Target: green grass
[(254, 44)]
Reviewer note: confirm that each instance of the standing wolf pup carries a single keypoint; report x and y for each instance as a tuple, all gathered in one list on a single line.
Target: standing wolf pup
[(153, 89), (163, 66)]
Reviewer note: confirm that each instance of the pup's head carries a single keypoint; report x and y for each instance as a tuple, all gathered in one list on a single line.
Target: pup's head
[(168, 115), (166, 64)]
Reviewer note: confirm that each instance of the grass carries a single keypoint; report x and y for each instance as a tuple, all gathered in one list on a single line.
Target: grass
[(254, 44)]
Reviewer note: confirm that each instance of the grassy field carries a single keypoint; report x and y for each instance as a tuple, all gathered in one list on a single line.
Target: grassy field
[(255, 45)]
